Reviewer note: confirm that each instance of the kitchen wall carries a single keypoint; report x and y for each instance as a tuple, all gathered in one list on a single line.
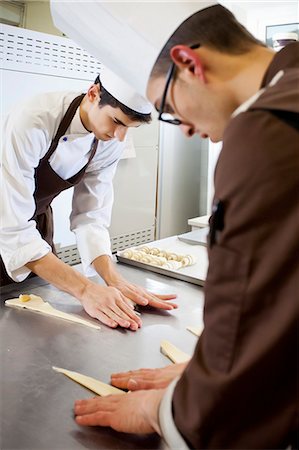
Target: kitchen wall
[(38, 17)]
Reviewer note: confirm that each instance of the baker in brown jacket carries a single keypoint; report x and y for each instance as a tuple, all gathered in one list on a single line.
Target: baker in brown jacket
[(212, 77)]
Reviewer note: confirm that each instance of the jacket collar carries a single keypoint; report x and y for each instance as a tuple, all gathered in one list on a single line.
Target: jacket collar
[(288, 57)]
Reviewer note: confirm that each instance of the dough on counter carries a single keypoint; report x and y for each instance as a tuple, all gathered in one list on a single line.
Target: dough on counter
[(173, 353), (90, 383), (24, 297), (37, 304), (195, 330)]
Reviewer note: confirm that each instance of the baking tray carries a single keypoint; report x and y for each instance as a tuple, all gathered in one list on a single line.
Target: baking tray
[(195, 273), (178, 274)]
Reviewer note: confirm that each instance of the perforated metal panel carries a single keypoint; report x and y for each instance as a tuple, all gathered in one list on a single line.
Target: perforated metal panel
[(31, 51), (70, 255), (132, 239)]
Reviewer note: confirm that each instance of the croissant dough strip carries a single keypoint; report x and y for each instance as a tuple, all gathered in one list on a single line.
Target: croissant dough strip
[(195, 330), (173, 353), (90, 383), (37, 304)]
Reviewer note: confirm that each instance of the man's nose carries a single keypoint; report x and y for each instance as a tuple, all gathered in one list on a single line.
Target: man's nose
[(188, 130), (120, 133)]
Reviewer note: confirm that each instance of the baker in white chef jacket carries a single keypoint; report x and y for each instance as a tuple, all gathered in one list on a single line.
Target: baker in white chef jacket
[(53, 142)]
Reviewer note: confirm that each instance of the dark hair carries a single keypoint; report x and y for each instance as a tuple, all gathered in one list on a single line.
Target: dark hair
[(215, 27), (108, 99)]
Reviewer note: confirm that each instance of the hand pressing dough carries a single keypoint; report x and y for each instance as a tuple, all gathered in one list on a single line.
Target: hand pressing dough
[(90, 383), (173, 353), (195, 330), (37, 304)]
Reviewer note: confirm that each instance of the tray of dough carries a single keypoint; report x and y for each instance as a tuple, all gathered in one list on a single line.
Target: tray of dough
[(170, 257)]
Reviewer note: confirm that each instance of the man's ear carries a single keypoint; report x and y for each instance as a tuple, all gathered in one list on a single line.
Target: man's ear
[(188, 59), (94, 93)]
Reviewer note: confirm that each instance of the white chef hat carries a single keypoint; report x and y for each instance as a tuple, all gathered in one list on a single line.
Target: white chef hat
[(125, 36), (123, 92)]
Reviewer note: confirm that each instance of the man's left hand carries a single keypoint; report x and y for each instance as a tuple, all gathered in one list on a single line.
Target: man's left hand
[(142, 297), (135, 412)]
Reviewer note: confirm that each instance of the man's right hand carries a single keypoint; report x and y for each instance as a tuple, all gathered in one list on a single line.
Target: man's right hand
[(109, 305), (147, 378), (106, 304)]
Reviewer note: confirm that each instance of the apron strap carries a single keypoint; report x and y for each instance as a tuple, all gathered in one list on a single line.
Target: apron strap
[(64, 124)]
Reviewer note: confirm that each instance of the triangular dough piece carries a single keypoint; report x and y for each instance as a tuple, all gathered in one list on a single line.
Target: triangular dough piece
[(173, 353), (90, 383), (195, 330), (37, 304)]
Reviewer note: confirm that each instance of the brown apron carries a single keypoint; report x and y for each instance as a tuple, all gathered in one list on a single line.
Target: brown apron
[(49, 184)]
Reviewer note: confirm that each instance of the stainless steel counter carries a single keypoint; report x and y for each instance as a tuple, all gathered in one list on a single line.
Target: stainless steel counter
[(37, 403)]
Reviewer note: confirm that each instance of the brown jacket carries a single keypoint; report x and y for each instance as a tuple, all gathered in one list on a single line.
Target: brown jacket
[(241, 387)]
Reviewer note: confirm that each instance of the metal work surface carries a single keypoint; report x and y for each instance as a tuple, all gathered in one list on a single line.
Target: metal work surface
[(37, 403)]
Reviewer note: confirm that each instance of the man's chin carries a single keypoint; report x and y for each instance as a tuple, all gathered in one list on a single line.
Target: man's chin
[(214, 139), (104, 137)]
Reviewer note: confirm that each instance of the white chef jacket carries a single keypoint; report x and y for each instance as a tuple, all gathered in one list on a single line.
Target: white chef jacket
[(27, 134)]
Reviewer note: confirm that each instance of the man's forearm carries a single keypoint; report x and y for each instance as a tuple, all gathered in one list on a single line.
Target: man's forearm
[(106, 269), (58, 273)]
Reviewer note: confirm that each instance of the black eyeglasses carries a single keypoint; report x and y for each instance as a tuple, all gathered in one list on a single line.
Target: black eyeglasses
[(164, 116)]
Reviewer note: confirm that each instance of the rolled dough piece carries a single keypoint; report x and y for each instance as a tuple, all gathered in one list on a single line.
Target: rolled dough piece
[(90, 383), (127, 253), (158, 257), (188, 260), (24, 297), (143, 249), (172, 265), (173, 353), (195, 330), (154, 251), (172, 257), (37, 304)]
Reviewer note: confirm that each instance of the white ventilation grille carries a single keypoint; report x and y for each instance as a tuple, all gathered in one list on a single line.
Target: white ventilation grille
[(31, 51), (132, 239), (70, 254)]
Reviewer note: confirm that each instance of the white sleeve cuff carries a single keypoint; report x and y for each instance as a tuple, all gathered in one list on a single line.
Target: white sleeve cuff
[(169, 431), (15, 263), (93, 241)]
